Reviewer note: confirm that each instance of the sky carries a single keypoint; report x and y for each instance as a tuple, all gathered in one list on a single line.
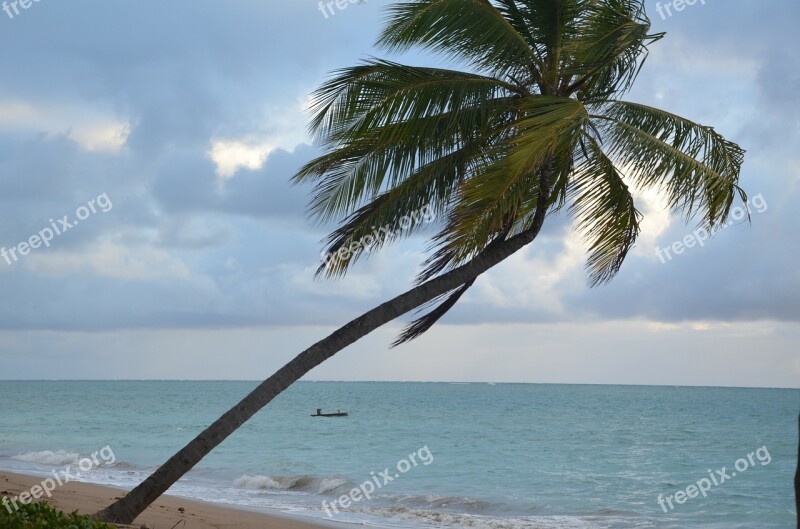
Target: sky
[(170, 130)]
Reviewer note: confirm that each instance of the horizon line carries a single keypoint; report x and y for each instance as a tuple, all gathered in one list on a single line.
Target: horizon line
[(456, 382)]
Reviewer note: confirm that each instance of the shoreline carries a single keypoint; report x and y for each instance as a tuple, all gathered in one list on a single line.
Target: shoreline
[(165, 513)]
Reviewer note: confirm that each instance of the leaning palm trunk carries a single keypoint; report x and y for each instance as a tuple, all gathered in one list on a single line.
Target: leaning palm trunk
[(126, 509), (536, 126)]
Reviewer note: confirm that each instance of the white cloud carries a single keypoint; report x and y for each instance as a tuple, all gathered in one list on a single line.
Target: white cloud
[(656, 221), (110, 136), (232, 155), (540, 279), (94, 129), (275, 128)]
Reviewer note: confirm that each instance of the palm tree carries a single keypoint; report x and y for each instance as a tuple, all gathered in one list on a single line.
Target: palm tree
[(531, 126)]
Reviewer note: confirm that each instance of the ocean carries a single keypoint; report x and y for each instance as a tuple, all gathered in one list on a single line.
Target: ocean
[(478, 455)]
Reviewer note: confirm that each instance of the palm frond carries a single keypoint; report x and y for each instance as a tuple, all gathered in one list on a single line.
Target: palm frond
[(430, 186), (605, 213), (382, 121), (608, 50), (693, 165), (421, 325), (507, 191), (474, 31)]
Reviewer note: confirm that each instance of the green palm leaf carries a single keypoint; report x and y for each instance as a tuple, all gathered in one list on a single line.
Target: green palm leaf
[(605, 212), (696, 168), (468, 30)]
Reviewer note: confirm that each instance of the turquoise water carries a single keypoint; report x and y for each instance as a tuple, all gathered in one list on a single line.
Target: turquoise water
[(503, 456)]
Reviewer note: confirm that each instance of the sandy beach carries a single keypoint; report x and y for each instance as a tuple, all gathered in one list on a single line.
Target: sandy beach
[(165, 513)]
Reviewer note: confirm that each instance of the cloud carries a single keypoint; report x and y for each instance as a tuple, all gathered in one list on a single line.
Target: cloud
[(114, 261), (193, 120), (230, 156), (93, 131)]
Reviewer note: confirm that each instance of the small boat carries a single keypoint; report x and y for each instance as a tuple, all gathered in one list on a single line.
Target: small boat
[(337, 414)]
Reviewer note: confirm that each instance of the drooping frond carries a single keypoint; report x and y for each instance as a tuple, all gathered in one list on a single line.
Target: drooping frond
[(429, 188), (605, 213), (421, 325), (695, 167)]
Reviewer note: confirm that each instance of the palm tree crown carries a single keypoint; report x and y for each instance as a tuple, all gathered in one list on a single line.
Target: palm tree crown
[(533, 125)]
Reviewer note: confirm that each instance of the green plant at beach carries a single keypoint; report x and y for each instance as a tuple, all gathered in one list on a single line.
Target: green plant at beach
[(532, 125), (42, 516)]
